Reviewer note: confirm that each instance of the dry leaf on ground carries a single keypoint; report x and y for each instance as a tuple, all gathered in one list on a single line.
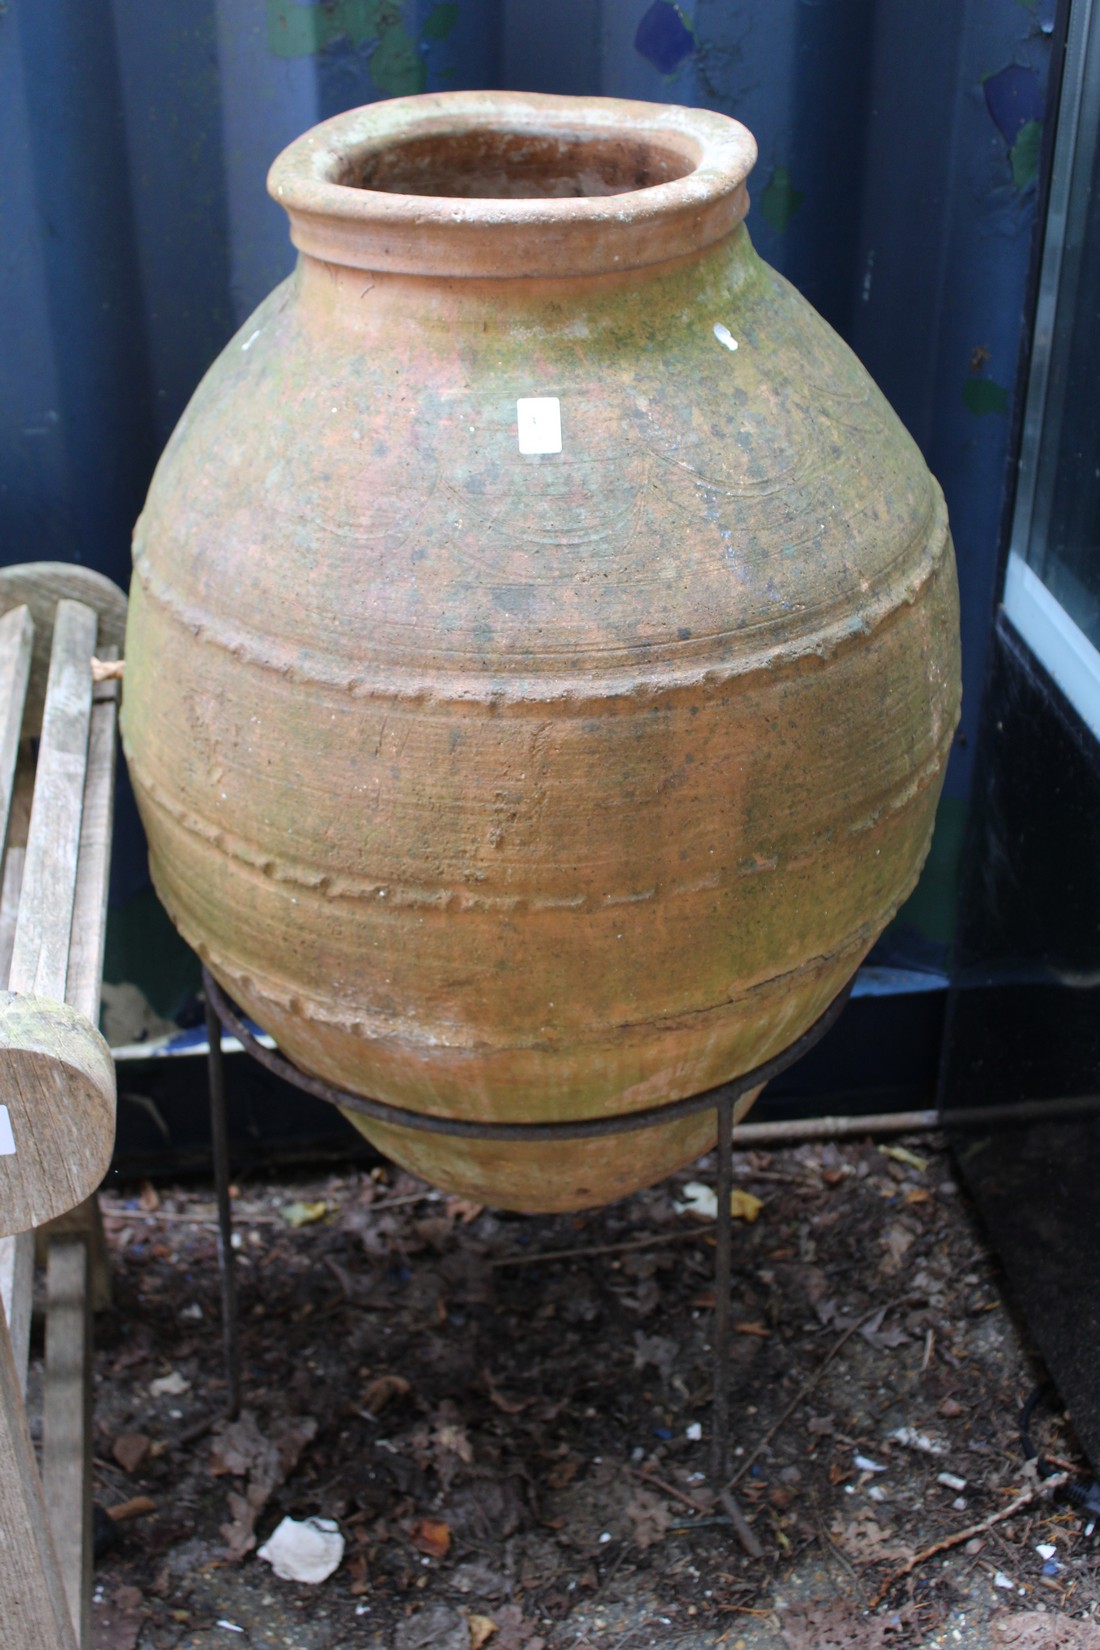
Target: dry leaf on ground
[(481, 1628), (648, 1515), (117, 1620), (241, 1449), (377, 1393), (839, 1624), (431, 1536), (439, 1627), (1036, 1630), (130, 1450)]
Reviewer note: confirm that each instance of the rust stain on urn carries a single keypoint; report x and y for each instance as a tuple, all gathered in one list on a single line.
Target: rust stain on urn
[(543, 769)]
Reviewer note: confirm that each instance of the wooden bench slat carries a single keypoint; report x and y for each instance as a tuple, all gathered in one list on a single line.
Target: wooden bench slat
[(16, 645), (17, 1254), (40, 962), (89, 926), (9, 905)]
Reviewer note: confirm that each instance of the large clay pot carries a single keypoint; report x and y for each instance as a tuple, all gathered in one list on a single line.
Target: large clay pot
[(507, 782)]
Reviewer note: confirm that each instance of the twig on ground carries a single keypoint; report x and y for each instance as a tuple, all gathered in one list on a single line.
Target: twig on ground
[(969, 1534), (703, 1229), (138, 1506), (808, 1386), (745, 1532), (667, 1488), (192, 1434), (188, 1217), (742, 1527), (402, 1202)]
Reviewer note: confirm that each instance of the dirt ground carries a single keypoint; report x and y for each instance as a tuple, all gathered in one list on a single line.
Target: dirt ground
[(507, 1420)]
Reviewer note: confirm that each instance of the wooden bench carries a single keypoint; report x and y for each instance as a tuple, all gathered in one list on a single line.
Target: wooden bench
[(57, 1087)]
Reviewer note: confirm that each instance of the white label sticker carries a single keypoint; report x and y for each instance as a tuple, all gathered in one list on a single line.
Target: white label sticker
[(538, 419), (7, 1139)]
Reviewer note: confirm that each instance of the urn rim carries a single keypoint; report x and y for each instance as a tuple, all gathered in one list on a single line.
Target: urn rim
[(594, 186)]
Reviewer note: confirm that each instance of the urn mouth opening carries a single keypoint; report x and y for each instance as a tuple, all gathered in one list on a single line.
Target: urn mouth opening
[(505, 185), (503, 163)]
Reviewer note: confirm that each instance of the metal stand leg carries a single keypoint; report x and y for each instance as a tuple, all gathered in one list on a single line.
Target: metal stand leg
[(722, 1279), (219, 1140)]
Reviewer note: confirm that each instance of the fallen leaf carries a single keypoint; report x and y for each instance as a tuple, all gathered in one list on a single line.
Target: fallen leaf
[(431, 1536), (242, 1449), (744, 1206), (439, 1627), (461, 1209), (648, 1515), (514, 1631), (866, 1540), (507, 1406), (130, 1449), (382, 1389), (918, 1194), (839, 1624), (759, 1329), (453, 1440), (658, 1350), (897, 1243), (1040, 1630), (901, 1154), (481, 1628), (304, 1214), (477, 1577), (562, 1474), (117, 1621)]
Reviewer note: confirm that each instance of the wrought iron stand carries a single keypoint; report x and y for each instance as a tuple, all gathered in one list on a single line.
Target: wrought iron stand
[(222, 1014)]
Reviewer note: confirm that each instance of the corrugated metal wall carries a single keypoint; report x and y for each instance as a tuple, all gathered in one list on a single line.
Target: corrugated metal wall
[(895, 187)]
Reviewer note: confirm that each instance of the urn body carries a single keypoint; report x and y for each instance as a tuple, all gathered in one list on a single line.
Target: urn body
[(522, 762)]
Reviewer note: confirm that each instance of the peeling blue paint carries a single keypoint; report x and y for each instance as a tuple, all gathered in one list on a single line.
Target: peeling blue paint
[(982, 395), (1014, 99), (780, 200), (439, 24), (1024, 154), (1043, 12), (396, 67), (663, 38)]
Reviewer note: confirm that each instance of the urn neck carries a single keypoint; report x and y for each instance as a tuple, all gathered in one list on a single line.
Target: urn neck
[(506, 185)]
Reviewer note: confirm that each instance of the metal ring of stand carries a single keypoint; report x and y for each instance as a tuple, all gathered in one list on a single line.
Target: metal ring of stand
[(222, 1014)]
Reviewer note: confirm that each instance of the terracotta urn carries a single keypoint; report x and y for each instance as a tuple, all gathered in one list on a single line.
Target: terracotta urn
[(543, 643)]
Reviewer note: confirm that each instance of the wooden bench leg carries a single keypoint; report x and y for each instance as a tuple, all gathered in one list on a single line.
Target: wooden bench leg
[(33, 1605), (67, 1422), (85, 1221), (16, 1290)]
